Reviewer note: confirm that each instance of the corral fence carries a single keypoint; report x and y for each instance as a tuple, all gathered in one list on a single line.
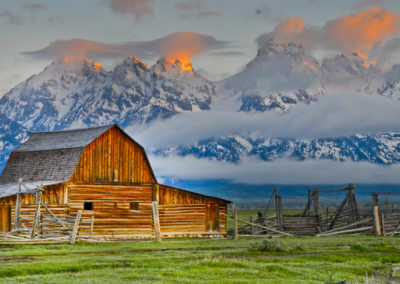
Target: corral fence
[(307, 216), (43, 224)]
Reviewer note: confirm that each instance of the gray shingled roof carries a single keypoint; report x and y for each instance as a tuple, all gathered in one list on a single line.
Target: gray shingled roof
[(66, 139), (49, 156)]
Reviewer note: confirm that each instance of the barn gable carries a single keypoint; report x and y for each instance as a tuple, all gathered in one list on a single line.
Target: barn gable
[(114, 157), (100, 154)]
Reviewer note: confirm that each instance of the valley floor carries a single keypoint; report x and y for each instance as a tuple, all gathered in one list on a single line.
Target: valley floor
[(309, 260)]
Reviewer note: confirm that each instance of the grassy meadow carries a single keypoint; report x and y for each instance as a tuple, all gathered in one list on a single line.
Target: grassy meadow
[(354, 259)]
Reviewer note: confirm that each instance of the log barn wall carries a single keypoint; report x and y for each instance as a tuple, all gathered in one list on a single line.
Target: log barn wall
[(188, 212), (114, 208)]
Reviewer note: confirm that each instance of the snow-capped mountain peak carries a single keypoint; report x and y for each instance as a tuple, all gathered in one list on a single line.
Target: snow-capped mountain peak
[(174, 67), (272, 51), (280, 76), (80, 93)]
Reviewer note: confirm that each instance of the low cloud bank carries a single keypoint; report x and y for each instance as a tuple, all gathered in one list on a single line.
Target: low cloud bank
[(333, 115), (254, 171)]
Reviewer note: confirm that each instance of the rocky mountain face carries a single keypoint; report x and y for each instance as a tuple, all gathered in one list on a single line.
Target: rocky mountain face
[(283, 75), (72, 93), (80, 93), (280, 76)]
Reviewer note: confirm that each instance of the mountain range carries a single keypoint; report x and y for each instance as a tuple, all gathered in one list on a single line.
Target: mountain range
[(73, 93)]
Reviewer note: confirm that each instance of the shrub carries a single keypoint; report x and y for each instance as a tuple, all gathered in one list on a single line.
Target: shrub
[(273, 245), (358, 247)]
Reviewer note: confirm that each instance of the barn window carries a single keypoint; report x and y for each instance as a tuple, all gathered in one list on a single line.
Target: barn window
[(88, 206), (134, 205)]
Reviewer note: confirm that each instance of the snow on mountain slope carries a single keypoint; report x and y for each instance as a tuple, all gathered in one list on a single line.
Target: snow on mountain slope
[(43, 99), (280, 76), (380, 148), (79, 93), (11, 135)]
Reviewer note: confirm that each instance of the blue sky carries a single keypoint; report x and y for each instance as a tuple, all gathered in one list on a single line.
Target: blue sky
[(32, 25)]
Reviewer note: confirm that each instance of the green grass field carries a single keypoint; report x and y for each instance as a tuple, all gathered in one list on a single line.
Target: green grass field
[(311, 260), (291, 260)]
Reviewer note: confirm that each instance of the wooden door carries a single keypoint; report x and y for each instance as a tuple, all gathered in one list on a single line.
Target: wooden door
[(212, 217), (5, 218)]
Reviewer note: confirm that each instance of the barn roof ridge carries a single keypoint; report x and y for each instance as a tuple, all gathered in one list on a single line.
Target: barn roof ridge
[(74, 129), (57, 140)]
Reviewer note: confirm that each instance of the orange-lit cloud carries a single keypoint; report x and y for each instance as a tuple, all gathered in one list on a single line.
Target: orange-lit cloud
[(362, 30), (181, 46), (359, 31)]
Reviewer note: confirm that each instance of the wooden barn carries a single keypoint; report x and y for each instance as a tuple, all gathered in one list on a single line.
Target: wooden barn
[(105, 175)]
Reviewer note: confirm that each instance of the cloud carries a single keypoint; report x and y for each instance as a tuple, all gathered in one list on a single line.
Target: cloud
[(367, 4), (139, 9), (34, 7), (263, 11), (11, 18), (185, 42), (190, 9), (387, 52), (254, 171), (359, 31), (333, 115), (31, 13)]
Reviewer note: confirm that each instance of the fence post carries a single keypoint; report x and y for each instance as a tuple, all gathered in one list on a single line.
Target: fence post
[(76, 227), (309, 201), (375, 199), (280, 213), (36, 219), (383, 224), (276, 207), (352, 204), (17, 207), (252, 226), (377, 223), (235, 226), (156, 219), (316, 201)]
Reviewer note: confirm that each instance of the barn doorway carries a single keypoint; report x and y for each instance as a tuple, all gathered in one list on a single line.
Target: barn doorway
[(5, 218), (212, 217)]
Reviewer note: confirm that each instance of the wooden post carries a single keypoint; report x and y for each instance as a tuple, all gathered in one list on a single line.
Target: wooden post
[(308, 201), (91, 227), (280, 213), (383, 224), (252, 227), (375, 199), (76, 227), (353, 204), (316, 201), (36, 219), (276, 207), (17, 207), (377, 223), (235, 226), (156, 220)]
